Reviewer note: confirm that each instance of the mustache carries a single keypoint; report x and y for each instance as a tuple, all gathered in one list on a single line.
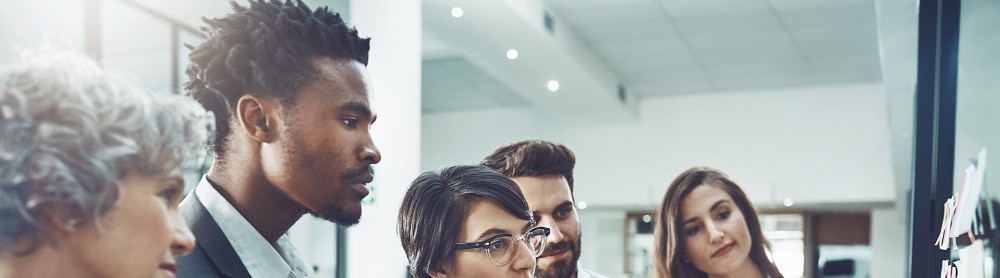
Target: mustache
[(354, 173), (566, 245)]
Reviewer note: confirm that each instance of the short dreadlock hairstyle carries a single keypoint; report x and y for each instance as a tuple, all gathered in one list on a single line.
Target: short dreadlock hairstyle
[(266, 50)]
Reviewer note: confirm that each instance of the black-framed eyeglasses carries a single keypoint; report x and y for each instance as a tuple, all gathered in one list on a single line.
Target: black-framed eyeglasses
[(501, 248)]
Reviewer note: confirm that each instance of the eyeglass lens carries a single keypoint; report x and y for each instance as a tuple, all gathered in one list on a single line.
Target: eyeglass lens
[(501, 250)]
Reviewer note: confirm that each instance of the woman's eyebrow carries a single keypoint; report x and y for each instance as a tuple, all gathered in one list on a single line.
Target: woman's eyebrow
[(491, 232)]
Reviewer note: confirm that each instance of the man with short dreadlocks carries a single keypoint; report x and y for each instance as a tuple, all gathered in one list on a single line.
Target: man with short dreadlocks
[(290, 92)]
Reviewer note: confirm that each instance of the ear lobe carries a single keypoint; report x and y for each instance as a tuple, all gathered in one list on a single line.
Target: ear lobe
[(442, 271), (256, 117)]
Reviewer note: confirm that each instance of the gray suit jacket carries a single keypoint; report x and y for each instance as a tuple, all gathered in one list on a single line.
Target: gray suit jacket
[(212, 256)]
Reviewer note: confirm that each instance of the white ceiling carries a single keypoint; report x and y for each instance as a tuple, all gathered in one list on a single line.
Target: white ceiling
[(670, 47)]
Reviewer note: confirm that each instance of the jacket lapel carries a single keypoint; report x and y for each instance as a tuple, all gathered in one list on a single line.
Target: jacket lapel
[(211, 240)]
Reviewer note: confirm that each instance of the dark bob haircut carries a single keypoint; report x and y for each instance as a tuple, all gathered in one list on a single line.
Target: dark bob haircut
[(436, 204), (266, 50), (533, 158)]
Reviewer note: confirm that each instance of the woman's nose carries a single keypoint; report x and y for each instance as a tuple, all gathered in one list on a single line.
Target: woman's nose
[(714, 234), (524, 259), (183, 240)]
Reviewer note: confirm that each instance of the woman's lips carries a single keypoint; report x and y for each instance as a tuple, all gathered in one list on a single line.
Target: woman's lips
[(169, 269), (725, 249)]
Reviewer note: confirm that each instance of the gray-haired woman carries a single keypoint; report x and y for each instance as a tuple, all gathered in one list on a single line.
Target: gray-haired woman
[(90, 172)]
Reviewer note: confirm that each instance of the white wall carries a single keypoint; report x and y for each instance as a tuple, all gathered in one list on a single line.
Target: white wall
[(888, 243), (603, 241), (816, 145), (395, 26), (26, 25)]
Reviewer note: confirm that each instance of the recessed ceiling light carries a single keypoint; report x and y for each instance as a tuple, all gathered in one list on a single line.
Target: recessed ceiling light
[(788, 202), (512, 54), (553, 85), (581, 204), (647, 218), (457, 12)]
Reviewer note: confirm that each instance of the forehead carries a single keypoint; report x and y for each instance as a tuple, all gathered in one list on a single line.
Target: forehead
[(544, 192), (701, 199), (485, 215)]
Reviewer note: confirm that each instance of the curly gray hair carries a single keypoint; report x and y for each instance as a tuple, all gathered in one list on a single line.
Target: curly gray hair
[(70, 131)]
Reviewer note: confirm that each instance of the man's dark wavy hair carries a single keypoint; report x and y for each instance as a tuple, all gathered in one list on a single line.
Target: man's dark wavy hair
[(267, 50), (532, 158)]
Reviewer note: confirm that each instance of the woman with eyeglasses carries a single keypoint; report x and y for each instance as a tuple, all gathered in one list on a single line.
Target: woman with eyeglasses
[(468, 221)]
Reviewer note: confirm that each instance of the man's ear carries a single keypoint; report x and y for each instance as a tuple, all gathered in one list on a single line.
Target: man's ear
[(259, 117)]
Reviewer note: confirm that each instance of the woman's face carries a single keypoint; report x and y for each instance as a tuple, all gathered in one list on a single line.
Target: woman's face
[(488, 219), (139, 236), (714, 233)]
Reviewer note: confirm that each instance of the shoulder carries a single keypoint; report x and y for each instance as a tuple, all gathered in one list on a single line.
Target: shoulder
[(196, 264)]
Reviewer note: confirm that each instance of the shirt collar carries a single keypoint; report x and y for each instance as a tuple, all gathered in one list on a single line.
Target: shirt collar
[(259, 257)]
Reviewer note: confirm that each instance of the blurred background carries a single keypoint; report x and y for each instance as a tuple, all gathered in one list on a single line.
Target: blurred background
[(808, 104)]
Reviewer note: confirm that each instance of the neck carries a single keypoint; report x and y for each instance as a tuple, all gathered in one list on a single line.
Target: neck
[(747, 270), (267, 209)]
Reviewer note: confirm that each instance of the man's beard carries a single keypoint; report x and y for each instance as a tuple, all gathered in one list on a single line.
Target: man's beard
[(565, 267), (339, 215)]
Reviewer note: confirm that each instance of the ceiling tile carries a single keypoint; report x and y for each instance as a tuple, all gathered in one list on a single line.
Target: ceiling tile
[(713, 7), (613, 14), (567, 4), (782, 5), (667, 47), (749, 39), (692, 26), (638, 32), (829, 16), (740, 55), (848, 32), (840, 48)]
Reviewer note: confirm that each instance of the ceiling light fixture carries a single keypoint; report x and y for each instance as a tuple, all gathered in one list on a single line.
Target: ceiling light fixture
[(457, 12), (512, 54), (788, 202), (553, 85)]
